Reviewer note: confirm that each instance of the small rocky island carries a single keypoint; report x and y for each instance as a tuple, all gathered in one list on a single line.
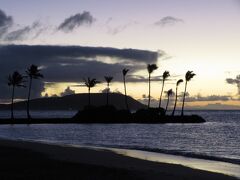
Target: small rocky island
[(109, 114)]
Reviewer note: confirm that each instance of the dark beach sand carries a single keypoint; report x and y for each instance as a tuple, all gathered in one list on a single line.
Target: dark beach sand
[(30, 160)]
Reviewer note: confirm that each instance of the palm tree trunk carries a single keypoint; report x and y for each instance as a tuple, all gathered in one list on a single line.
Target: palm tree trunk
[(167, 105), (175, 104), (125, 91), (149, 90), (29, 94), (184, 98), (12, 116), (89, 98), (160, 99), (107, 93)]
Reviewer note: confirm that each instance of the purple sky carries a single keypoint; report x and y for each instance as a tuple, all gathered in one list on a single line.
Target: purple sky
[(198, 35)]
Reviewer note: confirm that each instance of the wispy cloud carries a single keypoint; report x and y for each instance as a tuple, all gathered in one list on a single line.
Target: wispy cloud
[(120, 28), (5, 22), (168, 21), (24, 33), (73, 22)]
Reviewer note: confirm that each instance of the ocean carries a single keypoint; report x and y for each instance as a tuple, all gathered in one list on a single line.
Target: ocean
[(217, 139)]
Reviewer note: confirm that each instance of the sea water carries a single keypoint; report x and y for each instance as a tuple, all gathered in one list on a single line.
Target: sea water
[(217, 139)]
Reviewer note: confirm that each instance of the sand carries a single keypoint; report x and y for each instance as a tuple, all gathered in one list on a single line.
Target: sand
[(30, 160)]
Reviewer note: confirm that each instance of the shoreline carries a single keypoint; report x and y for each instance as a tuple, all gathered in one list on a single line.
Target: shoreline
[(109, 161)]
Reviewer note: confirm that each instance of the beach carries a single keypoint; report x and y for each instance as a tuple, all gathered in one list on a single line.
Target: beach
[(33, 160)]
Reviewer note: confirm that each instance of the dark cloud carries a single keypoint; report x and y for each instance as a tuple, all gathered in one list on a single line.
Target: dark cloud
[(23, 33), (20, 93), (75, 21), (235, 81), (5, 22), (70, 63), (67, 91), (168, 21)]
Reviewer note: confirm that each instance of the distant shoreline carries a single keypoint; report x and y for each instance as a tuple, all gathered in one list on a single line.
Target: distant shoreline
[(159, 120), (62, 162)]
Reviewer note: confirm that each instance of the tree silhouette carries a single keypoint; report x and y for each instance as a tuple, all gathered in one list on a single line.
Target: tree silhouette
[(165, 75), (108, 80), (188, 76), (90, 83), (150, 68), (33, 73), (124, 72), (169, 93), (176, 95), (15, 80)]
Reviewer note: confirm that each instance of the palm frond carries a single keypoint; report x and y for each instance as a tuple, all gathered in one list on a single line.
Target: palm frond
[(189, 75), (166, 74), (16, 79), (34, 72), (179, 82), (151, 68), (125, 71), (108, 78)]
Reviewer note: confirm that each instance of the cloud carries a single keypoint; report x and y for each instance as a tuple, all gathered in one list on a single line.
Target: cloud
[(235, 81), (208, 98), (23, 33), (168, 21), (118, 29), (5, 22), (105, 90), (70, 63), (215, 106), (67, 91), (73, 22)]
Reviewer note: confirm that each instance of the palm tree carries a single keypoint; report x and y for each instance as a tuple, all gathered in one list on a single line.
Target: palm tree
[(150, 68), (189, 75), (15, 80), (90, 83), (124, 72), (108, 79), (169, 93), (165, 75), (33, 73), (176, 95)]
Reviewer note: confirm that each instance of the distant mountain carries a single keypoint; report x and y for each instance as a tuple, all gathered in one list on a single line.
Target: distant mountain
[(76, 102)]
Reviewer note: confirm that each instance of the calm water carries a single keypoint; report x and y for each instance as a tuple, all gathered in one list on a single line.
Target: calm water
[(218, 139)]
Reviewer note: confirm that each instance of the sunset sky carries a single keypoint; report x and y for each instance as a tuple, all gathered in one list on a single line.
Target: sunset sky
[(198, 35)]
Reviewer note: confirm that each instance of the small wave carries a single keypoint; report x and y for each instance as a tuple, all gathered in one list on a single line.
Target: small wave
[(173, 152)]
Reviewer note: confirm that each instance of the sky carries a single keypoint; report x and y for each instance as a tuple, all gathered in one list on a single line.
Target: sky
[(74, 39)]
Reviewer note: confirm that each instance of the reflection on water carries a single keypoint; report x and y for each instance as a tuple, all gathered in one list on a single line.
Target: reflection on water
[(218, 139), (208, 165)]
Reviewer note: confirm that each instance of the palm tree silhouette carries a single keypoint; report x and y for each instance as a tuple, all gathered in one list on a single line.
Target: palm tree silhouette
[(90, 83), (169, 93), (15, 80), (108, 80), (124, 72), (33, 73), (188, 76), (176, 95), (165, 75), (150, 68)]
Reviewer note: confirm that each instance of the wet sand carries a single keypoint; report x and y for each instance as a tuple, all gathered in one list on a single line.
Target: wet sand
[(30, 160)]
